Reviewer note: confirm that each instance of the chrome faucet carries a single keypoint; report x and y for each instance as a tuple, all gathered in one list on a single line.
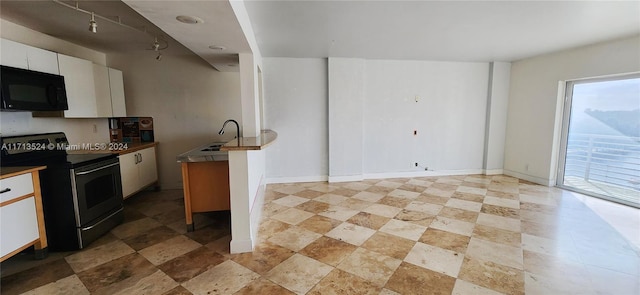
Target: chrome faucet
[(225, 124)]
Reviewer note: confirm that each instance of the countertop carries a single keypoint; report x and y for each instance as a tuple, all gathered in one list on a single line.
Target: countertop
[(119, 148), (6, 172), (260, 142), (204, 153)]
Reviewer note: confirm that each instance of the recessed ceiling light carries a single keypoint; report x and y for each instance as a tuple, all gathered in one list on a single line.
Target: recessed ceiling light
[(217, 47), (187, 19)]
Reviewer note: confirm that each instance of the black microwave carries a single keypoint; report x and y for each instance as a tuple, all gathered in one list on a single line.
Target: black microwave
[(25, 90)]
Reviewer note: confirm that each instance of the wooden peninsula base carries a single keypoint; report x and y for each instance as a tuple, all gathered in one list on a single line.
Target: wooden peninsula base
[(206, 188)]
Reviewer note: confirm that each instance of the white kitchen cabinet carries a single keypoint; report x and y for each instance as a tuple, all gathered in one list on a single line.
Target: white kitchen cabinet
[(109, 92), (138, 170), (21, 215), (116, 84), (103, 91), (27, 57), (80, 85)]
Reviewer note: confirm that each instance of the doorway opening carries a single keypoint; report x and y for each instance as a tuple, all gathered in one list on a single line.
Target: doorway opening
[(600, 151)]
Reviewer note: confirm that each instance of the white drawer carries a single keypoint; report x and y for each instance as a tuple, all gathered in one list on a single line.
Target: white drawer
[(18, 225), (18, 186)]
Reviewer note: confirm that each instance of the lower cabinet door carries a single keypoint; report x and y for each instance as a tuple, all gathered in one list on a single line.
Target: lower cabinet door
[(129, 174), (18, 225)]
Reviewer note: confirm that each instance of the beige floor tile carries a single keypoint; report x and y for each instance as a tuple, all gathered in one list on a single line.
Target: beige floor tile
[(263, 286), (494, 252), (314, 207), (156, 283), (382, 210), (564, 248), (264, 257), (225, 278), (429, 208), (497, 235), (93, 257), (453, 225), (463, 287), (415, 217), (389, 184), (389, 245), (355, 204), (292, 216), (331, 199), (323, 187), (412, 279), (403, 229), (369, 220), (291, 201), (548, 201), (514, 204), (370, 266), (538, 284), (169, 249), (435, 258), (459, 214), (319, 224), (500, 211), (308, 194), (445, 240), (341, 282), (431, 199), (492, 276), (463, 204), (135, 228), (68, 285), (386, 291), (358, 186), (506, 223), (294, 238), (289, 189), (328, 250), (468, 197), (299, 273), (472, 190), (339, 213), (395, 202), (351, 233), (399, 193), (367, 196)]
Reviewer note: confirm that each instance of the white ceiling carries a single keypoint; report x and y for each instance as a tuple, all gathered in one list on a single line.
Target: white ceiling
[(419, 30), (436, 30)]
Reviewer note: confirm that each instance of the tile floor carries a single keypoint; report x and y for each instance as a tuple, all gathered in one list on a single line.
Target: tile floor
[(433, 235)]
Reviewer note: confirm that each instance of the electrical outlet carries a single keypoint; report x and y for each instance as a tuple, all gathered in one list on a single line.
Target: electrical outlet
[(415, 132), (416, 164)]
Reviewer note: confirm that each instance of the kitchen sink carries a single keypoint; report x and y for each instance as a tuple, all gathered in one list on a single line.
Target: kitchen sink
[(209, 152)]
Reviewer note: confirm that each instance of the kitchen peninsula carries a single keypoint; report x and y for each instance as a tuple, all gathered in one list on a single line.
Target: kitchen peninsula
[(228, 176), (247, 187)]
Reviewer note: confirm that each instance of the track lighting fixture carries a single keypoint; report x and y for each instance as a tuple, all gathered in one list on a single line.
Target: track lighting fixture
[(157, 46), (93, 25)]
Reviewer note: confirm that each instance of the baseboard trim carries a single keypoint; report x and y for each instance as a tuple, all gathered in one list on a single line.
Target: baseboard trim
[(346, 178), (493, 172), (409, 174), (240, 246), (297, 179), (534, 179)]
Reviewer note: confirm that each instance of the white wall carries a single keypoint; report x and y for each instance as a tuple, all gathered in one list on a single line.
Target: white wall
[(188, 100), (496, 123), (449, 115), (77, 130), (346, 118), (372, 112), (295, 106), (532, 140)]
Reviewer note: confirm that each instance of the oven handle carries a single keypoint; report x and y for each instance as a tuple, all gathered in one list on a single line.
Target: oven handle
[(97, 169), (101, 221)]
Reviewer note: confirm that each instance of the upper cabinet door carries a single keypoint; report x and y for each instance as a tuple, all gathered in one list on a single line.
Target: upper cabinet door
[(117, 93), (13, 54), (42, 60), (80, 85), (27, 57), (103, 91)]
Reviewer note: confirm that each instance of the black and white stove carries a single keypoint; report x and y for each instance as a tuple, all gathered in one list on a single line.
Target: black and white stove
[(81, 193)]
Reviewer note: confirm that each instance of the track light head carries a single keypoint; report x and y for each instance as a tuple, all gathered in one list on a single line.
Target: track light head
[(93, 25)]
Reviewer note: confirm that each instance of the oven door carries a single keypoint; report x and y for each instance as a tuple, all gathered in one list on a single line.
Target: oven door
[(97, 190)]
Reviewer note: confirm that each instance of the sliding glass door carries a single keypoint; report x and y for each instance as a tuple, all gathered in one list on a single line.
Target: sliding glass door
[(600, 153)]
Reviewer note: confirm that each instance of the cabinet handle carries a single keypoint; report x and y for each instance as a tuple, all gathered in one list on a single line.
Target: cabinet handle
[(6, 190), (140, 157)]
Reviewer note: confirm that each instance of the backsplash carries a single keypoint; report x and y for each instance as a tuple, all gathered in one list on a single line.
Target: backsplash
[(131, 129)]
